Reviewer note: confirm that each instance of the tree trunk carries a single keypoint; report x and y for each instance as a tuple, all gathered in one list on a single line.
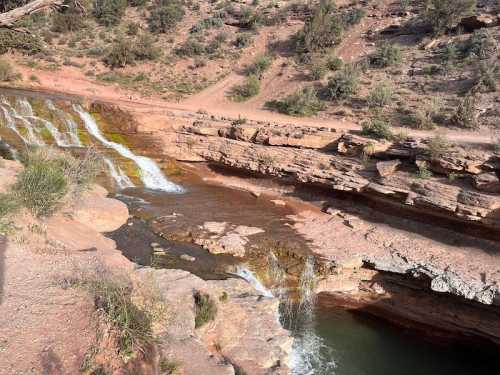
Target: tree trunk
[(8, 19)]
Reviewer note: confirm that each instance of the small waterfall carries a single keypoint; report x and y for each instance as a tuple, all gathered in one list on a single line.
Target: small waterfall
[(310, 355), (245, 273), (121, 179), (150, 173), (72, 139), (11, 115)]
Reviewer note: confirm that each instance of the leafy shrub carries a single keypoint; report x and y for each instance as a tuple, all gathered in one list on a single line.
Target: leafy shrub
[(137, 3), (120, 55), (380, 96), (424, 172), (334, 63), (204, 309), (259, 65), (23, 42), (466, 114), (323, 30), (352, 16), (164, 18), (426, 116), (378, 128), (245, 91), (481, 44), (68, 21), (132, 28), (207, 23), (386, 55), (144, 48), (109, 12), (443, 14), (190, 48), (317, 70), (438, 146), (344, 83), (304, 102), (243, 40), (7, 72)]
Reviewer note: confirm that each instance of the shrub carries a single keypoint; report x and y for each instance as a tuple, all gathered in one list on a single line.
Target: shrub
[(164, 18), (323, 30), (204, 309), (259, 65), (132, 28), (378, 128), (190, 48), (144, 48), (317, 71), (424, 172), (109, 12), (24, 42), (120, 55), (487, 77), (352, 16), (466, 114), (386, 55), (245, 91), (137, 3), (333, 62), (481, 44), (344, 83), (68, 21), (443, 14), (7, 72), (438, 146), (380, 96), (304, 102), (243, 40)]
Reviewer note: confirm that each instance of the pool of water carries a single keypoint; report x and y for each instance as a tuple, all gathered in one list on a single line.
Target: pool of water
[(336, 341)]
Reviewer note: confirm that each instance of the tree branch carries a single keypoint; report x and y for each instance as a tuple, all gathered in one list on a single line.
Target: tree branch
[(8, 19)]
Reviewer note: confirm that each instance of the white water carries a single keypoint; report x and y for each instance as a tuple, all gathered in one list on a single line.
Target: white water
[(245, 273), (118, 176), (71, 139), (151, 175), (10, 115)]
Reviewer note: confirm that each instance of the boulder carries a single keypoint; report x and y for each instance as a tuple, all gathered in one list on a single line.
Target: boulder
[(386, 168), (487, 182)]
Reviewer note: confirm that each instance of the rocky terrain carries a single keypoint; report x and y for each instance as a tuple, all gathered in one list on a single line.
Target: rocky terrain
[(52, 325)]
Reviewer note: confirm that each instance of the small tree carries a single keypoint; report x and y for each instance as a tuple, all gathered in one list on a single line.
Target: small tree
[(109, 12), (386, 55), (443, 14), (380, 96), (466, 115), (344, 84), (164, 18), (120, 55)]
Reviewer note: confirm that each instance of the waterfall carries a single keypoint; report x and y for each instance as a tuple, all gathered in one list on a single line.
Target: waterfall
[(72, 139), (120, 178), (245, 273), (150, 173), (11, 115), (310, 355)]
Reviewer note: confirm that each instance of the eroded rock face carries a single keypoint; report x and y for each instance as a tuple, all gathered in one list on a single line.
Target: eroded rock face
[(245, 331), (454, 198)]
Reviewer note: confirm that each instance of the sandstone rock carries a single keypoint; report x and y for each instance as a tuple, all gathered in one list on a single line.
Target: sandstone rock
[(187, 258), (386, 168), (478, 21), (487, 182), (278, 202), (214, 227), (101, 214)]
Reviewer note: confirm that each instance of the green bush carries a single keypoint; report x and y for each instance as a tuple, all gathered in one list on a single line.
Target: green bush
[(120, 55), (243, 40), (344, 83), (7, 72), (487, 77), (317, 70), (304, 102), (380, 96), (190, 48), (41, 187), (378, 128), (137, 3), (352, 16), (259, 65), (164, 18), (481, 44), (109, 12), (323, 30), (24, 42), (68, 21), (245, 91), (334, 63), (438, 146), (444, 14), (466, 114), (204, 308), (133, 28), (144, 48), (386, 55)]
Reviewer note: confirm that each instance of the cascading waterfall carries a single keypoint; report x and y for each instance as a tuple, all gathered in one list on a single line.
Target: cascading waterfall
[(10, 115), (151, 175), (120, 178), (72, 139)]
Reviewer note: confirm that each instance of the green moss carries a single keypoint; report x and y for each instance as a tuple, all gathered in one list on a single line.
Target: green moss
[(171, 168), (83, 136), (131, 169), (117, 138), (46, 136)]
